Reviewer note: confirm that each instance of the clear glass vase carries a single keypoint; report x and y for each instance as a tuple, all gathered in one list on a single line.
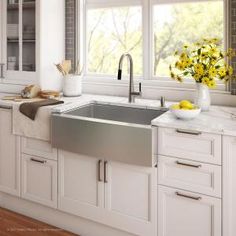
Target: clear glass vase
[(202, 97)]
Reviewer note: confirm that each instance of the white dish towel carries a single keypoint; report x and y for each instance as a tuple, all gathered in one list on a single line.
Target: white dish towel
[(40, 128)]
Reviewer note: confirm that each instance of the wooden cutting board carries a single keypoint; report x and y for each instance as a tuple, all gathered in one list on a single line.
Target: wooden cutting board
[(20, 99)]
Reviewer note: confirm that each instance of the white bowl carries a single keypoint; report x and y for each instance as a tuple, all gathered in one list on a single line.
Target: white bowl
[(186, 114)]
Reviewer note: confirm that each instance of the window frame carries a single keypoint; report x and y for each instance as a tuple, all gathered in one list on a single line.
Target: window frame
[(147, 78)]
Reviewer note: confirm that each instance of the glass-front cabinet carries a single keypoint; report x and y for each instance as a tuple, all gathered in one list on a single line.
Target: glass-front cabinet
[(32, 40), (19, 41)]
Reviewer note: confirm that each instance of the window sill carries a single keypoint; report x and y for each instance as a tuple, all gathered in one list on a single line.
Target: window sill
[(154, 90), (166, 84)]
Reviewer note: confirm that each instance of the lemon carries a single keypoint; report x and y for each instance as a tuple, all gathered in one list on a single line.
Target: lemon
[(185, 104), (175, 107)]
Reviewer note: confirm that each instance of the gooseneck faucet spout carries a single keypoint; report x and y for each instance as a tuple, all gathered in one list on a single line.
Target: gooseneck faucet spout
[(132, 93)]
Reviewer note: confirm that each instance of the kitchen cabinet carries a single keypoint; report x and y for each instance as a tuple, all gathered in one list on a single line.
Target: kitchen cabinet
[(9, 155), (229, 186), (190, 145), (118, 195), (80, 191), (190, 175), (189, 183), (32, 38), (39, 180), (130, 197), (38, 148), (182, 213)]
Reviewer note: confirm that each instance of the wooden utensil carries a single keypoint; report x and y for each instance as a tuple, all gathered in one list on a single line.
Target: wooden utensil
[(66, 65)]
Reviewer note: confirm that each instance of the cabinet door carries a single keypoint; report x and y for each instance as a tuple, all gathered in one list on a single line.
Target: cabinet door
[(190, 175), (19, 40), (38, 148), (9, 155), (182, 213), (229, 186), (130, 197), (80, 191), (190, 145), (39, 180)]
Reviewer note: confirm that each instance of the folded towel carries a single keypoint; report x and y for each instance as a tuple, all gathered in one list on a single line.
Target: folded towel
[(30, 109), (40, 128)]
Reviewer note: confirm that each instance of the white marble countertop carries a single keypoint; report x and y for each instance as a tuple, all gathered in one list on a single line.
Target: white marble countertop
[(219, 120)]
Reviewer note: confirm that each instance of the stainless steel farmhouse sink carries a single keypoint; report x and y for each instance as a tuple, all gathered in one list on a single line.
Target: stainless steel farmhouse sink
[(111, 132)]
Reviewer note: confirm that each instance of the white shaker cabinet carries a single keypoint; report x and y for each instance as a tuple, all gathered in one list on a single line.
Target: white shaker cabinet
[(229, 186), (182, 213), (130, 197), (32, 40), (39, 180), (80, 191), (9, 155), (118, 195), (189, 183)]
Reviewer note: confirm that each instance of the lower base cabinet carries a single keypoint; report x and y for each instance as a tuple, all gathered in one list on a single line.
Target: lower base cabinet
[(114, 194), (39, 180), (9, 155), (182, 213), (229, 187)]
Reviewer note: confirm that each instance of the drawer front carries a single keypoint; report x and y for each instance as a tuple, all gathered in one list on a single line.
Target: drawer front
[(39, 180), (190, 145), (38, 148), (189, 175), (182, 213)]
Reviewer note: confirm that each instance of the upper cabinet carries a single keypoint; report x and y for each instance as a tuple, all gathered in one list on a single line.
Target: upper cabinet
[(32, 34), (20, 38)]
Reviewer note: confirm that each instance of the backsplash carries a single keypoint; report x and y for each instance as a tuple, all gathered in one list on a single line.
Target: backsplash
[(232, 31), (71, 31)]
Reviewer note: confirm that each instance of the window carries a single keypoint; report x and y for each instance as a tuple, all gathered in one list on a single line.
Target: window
[(110, 33), (150, 30), (176, 24)]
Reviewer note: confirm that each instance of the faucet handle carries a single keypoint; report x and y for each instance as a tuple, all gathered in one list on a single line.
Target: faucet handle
[(119, 74), (163, 101), (140, 87)]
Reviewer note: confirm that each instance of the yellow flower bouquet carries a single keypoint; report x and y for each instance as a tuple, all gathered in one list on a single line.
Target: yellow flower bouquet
[(204, 61)]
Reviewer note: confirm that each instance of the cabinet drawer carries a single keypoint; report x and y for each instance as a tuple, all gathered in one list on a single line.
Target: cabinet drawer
[(196, 146), (182, 213), (39, 180), (189, 175), (38, 148)]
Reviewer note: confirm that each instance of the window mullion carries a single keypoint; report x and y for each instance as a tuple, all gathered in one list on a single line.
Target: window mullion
[(146, 39)]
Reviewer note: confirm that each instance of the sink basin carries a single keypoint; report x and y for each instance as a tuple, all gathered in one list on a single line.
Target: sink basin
[(110, 132), (117, 113)]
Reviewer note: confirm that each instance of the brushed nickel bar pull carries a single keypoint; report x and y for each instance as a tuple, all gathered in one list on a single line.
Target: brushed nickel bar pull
[(188, 196), (105, 172), (38, 161), (189, 165), (2, 68), (182, 131), (5, 107), (99, 171)]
